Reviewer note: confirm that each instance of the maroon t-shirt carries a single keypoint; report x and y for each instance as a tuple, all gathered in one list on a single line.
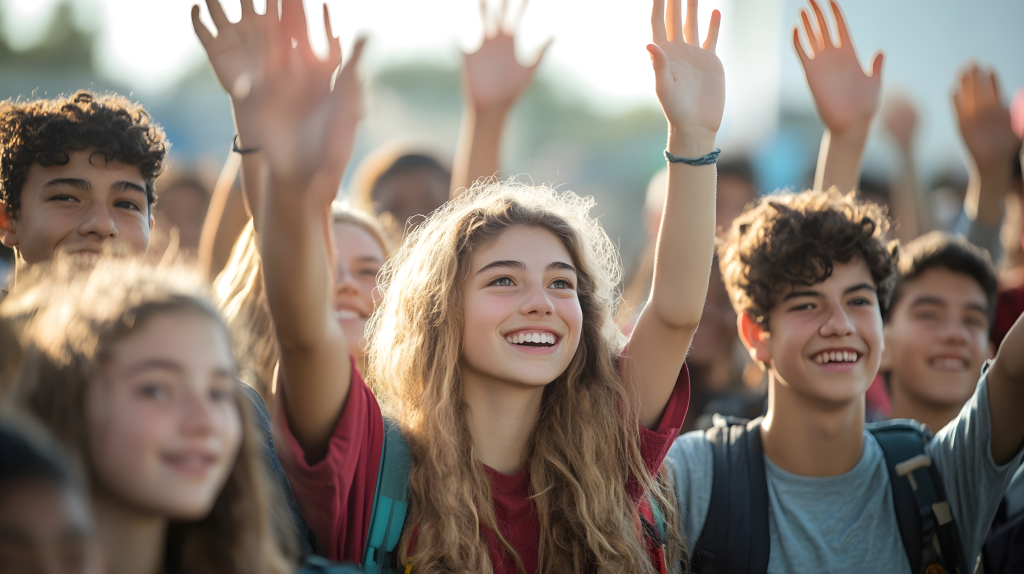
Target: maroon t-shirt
[(336, 493)]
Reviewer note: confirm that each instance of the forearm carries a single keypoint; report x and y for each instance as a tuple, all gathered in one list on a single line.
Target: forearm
[(1006, 395), (907, 204), (984, 200), (686, 238), (839, 159), (247, 128), (479, 148)]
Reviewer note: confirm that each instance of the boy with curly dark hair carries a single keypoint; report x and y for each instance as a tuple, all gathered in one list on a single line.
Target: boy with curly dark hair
[(810, 276), (76, 176), (937, 328)]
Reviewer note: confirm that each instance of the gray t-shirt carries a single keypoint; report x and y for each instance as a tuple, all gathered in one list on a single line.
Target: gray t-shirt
[(846, 523)]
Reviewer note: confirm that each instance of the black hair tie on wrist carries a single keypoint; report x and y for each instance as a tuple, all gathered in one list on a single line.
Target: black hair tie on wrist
[(239, 150)]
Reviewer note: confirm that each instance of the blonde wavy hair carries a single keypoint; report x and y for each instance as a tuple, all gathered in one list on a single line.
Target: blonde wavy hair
[(583, 458)]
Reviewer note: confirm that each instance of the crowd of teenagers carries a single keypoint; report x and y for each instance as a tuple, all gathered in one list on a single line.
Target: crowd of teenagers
[(450, 373)]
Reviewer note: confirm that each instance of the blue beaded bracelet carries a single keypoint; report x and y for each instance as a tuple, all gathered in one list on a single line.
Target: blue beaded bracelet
[(705, 160)]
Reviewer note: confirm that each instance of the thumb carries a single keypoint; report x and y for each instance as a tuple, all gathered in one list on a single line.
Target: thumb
[(876, 66), (543, 50), (658, 57)]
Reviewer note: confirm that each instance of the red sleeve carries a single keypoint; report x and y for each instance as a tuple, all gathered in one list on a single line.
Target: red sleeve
[(336, 493), (654, 444)]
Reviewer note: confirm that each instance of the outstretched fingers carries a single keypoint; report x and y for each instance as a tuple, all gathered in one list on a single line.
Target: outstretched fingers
[(690, 27), (876, 65), (333, 42), (674, 20), (825, 38), (658, 30), (813, 39), (712, 40), (841, 29), (804, 57), (293, 19), (220, 19), (205, 36)]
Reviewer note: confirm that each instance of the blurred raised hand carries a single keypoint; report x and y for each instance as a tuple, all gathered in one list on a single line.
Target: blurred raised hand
[(900, 120), (492, 81), (689, 77), (984, 120), (985, 127), (493, 76), (845, 96)]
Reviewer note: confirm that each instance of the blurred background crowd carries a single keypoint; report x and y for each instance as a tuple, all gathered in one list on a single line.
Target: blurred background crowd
[(589, 122)]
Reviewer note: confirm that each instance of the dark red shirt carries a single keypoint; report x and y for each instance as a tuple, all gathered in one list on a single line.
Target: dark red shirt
[(336, 493)]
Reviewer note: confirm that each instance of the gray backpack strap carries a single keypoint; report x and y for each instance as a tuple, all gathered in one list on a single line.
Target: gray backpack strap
[(929, 533), (390, 503), (735, 536)]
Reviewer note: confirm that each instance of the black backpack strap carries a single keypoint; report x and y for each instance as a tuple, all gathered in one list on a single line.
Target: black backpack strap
[(930, 536), (735, 537)]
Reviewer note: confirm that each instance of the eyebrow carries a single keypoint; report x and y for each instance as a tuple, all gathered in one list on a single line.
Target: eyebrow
[(932, 300), (86, 185), (561, 265), (849, 290), (506, 263)]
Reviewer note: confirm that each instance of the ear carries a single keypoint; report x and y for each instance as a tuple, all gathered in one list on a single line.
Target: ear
[(754, 337), (887, 359), (8, 227), (152, 221)]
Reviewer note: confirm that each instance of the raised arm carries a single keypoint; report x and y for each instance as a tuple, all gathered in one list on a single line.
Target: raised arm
[(907, 204), (690, 83), (1006, 395), (845, 97), (306, 133), (492, 81), (985, 127)]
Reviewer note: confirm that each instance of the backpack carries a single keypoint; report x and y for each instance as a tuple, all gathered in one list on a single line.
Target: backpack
[(738, 515), (391, 504)]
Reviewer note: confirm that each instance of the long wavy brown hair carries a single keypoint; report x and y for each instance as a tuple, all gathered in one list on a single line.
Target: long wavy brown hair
[(583, 459), (68, 321)]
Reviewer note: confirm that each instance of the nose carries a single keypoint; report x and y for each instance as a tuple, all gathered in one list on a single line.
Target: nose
[(956, 332), (838, 323), (196, 411), (99, 221), (536, 302), (345, 282)]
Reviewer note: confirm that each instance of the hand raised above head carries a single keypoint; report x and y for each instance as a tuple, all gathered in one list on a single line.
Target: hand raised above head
[(984, 120), (845, 96), (689, 77), (493, 77)]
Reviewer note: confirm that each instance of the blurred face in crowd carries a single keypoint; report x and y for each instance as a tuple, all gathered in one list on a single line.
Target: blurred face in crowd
[(937, 339), (825, 340), (183, 206), (416, 191), (85, 208), (45, 528), (163, 417), (358, 258), (522, 314), (732, 195)]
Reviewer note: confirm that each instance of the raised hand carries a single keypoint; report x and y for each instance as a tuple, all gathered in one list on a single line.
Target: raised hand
[(845, 96), (689, 77), (236, 52), (900, 120), (984, 121), (493, 76)]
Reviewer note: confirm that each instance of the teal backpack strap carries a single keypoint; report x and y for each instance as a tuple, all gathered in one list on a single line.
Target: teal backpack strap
[(930, 535), (390, 503), (659, 516)]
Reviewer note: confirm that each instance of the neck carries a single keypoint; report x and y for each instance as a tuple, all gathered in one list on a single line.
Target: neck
[(133, 540), (906, 406), (809, 438), (502, 416)]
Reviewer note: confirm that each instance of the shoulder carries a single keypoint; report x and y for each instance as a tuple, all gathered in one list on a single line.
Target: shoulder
[(691, 454)]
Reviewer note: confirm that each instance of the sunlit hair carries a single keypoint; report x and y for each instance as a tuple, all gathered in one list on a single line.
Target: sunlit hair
[(789, 239), (341, 213), (239, 295), (583, 458), (69, 322)]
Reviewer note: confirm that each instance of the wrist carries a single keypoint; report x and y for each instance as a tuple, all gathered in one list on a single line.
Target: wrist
[(853, 135), (690, 143)]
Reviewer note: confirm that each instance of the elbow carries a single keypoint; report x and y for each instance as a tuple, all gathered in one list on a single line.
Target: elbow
[(675, 318)]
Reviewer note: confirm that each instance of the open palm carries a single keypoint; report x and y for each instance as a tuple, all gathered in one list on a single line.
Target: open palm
[(844, 95), (984, 121), (493, 77), (689, 78)]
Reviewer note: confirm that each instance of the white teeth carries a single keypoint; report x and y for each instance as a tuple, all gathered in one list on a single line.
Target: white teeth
[(347, 314), (836, 357), (537, 338)]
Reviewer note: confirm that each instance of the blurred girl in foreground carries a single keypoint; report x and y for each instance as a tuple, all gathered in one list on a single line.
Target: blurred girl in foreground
[(135, 375)]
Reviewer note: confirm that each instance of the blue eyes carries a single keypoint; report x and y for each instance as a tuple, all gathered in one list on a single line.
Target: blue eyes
[(508, 282)]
